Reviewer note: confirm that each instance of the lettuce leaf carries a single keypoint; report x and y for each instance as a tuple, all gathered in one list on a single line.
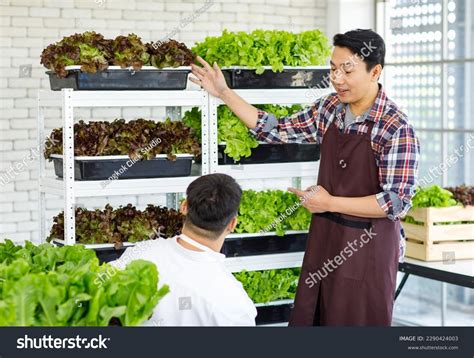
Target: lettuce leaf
[(89, 49), (169, 54), (129, 51)]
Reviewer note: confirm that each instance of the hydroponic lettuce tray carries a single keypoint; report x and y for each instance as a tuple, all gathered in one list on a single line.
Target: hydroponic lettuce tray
[(264, 243), (116, 78), (267, 153), (291, 77), (122, 167), (274, 312), (234, 245)]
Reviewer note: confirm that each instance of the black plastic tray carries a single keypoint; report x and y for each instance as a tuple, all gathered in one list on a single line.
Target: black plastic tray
[(288, 78), (101, 169), (104, 254), (236, 246), (273, 153), (109, 254), (273, 314), (121, 79), (250, 246)]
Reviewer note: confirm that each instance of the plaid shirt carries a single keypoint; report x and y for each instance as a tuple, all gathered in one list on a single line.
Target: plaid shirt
[(393, 140)]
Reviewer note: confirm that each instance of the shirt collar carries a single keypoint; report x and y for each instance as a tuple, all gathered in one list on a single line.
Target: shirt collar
[(375, 112), (197, 255)]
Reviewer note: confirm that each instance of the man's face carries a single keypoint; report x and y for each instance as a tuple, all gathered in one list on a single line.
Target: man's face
[(349, 75)]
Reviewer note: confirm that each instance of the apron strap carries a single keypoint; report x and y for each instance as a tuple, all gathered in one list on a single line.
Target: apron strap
[(337, 218), (370, 126)]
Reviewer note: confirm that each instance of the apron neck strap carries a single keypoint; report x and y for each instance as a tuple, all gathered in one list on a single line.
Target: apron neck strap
[(194, 243), (370, 126)]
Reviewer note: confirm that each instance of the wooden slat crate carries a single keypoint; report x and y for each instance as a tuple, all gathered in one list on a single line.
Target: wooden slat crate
[(430, 242)]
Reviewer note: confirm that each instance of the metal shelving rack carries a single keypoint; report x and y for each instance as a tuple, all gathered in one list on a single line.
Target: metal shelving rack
[(71, 189)]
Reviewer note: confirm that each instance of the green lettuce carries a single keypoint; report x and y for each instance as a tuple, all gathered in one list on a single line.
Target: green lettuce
[(260, 48), (271, 210), (231, 130), (433, 196), (269, 285), (47, 285)]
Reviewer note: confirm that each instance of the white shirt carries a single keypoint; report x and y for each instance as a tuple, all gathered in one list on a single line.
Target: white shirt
[(202, 291)]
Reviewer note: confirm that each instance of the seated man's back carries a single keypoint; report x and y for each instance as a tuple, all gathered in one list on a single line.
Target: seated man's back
[(202, 291)]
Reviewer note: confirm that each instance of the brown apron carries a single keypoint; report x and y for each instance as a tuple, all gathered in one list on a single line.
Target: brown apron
[(357, 288)]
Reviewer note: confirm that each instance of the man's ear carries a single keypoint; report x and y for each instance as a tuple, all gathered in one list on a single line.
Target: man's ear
[(232, 224), (184, 207), (376, 72)]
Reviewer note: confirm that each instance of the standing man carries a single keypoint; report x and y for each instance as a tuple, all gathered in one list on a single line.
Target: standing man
[(369, 161)]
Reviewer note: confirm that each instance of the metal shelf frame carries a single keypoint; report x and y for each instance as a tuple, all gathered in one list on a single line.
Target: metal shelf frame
[(70, 189), (265, 262)]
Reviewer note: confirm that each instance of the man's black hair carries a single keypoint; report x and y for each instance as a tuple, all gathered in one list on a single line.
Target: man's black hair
[(366, 44), (213, 200)]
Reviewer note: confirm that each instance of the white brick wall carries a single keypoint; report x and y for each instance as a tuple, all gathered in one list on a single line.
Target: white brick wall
[(27, 26)]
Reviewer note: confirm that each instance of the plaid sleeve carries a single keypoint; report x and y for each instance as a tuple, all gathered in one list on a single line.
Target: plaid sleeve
[(300, 127), (398, 167)]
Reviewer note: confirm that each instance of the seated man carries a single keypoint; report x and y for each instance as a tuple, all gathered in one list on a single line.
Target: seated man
[(202, 291)]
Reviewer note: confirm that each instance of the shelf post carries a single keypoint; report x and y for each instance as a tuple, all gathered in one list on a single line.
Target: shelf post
[(213, 155), (205, 133), (68, 167)]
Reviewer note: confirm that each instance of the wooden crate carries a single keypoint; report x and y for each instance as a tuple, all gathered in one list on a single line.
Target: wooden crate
[(430, 242)]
